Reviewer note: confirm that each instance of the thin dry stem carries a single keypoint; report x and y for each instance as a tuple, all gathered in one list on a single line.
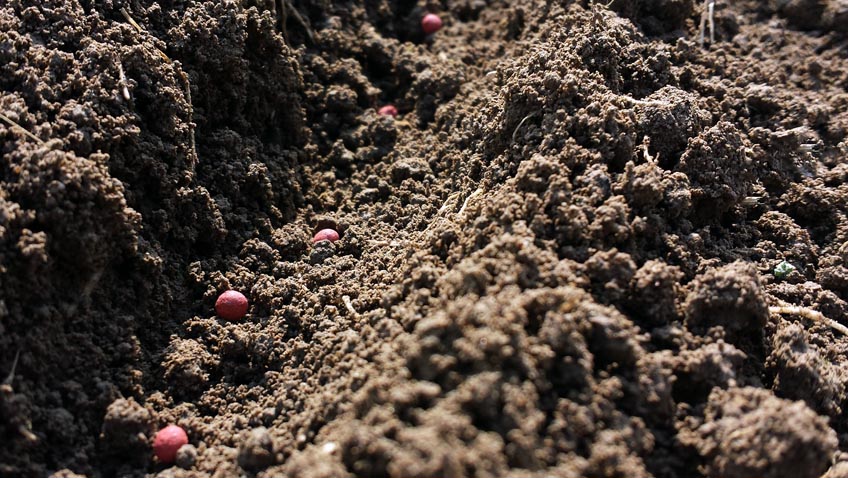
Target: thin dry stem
[(810, 314), (645, 103), (27, 434), (297, 16), (122, 78), (11, 376), (645, 152), (707, 18), (520, 124), (349, 306), (711, 8), (476, 193), (184, 76), (13, 124), (141, 30), (448, 201)]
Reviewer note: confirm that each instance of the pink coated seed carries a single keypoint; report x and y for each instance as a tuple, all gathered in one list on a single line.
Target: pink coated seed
[(388, 110), (431, 23), (326, 235), (231, 305), (167, 441)]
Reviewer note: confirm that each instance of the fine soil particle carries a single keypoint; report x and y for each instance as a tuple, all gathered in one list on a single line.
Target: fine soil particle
[(557, 260)]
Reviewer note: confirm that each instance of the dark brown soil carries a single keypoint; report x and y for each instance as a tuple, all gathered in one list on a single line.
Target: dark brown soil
[(557, 261)]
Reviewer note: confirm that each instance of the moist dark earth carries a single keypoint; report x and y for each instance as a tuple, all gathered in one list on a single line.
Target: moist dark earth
[(558, 260)]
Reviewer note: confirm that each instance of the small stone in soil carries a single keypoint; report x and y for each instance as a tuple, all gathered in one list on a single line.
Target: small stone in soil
[(186, 456), (256, 452), (322, 251)]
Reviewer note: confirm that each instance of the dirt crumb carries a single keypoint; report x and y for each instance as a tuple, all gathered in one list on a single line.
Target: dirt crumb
[(256, 450), (748, 432), (801, 373), (729, 297)]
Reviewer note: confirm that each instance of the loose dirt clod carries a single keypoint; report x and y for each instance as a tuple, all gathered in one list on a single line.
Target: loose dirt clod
[(186, 456), (739, 439)]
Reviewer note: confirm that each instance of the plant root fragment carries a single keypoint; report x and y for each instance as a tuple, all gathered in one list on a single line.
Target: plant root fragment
[(349, 305), (11, 376), (810, 314), (14, 125), (182, 74), (707, 18)]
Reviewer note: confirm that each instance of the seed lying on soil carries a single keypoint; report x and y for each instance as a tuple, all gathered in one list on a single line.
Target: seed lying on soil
[(167, 442), (388, 110), (431, 23), (231, 305), (325, 235)]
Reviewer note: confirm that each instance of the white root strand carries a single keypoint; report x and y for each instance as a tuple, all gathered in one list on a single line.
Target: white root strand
[(810, 314), (349, 305)]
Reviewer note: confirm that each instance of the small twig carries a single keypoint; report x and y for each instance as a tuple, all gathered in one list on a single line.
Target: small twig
[(131, 21), (476, 193), (301, 20), (13, 124), (28, 435), (711, 8), (192, 142), (376, 243), (141, 30), (280, 10), (122, 79), (449, 200), (441, 210), (184, 76), (810, 314), (646, 143), (707, 17), (11, 376), (521, 123), (349, 306), (643, 102)]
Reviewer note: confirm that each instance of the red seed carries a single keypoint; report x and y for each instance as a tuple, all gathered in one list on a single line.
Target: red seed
[(388, 110), (231, 305), (431, 23), (167, 442), (326, 235)]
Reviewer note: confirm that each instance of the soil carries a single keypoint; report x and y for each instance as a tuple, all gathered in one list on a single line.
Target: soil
[(558, 260)]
